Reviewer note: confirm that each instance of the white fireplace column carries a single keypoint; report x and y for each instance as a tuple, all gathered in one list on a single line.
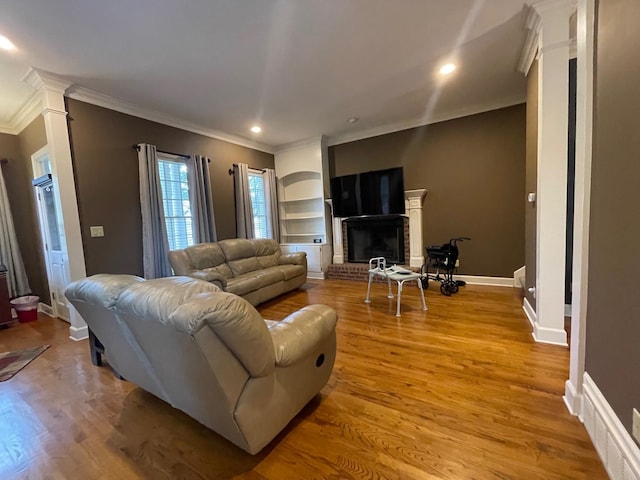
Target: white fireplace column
[(413, 206)]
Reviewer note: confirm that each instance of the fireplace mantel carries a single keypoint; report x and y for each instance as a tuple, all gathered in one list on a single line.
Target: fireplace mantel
[(413, 210)]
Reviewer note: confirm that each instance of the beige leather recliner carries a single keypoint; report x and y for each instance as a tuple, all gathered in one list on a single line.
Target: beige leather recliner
[(255, 269), (210, 353)]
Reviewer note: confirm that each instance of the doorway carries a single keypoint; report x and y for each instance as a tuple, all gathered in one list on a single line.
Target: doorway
[(52, 230)]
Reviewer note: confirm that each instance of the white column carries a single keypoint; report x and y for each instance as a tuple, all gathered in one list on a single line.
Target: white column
[(413, 207), (553, 104), (584, 108), (55, 120)]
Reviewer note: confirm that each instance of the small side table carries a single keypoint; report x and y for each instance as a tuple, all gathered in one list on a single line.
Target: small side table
[(378, 267)]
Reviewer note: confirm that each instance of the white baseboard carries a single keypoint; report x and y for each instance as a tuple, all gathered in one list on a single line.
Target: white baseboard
[(529, 312), (617, 449), (573, 400), (519, 277), (553, 336), (78, 334), (315, 275), (479, 280), (46, 309)]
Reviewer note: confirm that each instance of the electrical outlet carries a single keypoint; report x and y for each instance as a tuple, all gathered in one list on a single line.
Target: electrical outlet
[(636, 425), (97, 231), (457, 263)]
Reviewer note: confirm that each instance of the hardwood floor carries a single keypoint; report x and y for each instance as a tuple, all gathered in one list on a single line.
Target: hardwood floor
[(458, 392)]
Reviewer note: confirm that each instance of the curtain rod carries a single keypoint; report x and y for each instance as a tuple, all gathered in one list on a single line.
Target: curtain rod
[(136, 147), (258, 169)]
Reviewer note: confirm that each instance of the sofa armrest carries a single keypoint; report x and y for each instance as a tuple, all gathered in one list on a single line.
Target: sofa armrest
[(297, 258), (211, 277), (297, 336)]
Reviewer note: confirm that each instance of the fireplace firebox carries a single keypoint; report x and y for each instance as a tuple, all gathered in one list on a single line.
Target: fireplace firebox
[(376, 236)]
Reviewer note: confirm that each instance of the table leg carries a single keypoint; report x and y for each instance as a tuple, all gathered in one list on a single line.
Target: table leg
[(390, 295), (399, 296), (424, 304), (367, 300)]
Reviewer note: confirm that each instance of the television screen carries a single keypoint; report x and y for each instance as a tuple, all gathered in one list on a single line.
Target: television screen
[(379, 192)]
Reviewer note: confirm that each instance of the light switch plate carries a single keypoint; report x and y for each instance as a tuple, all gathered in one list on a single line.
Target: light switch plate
[(97, 231), (636, 425)]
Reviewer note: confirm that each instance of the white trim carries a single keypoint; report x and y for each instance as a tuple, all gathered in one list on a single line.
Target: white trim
[(95, 98), (532, 24), (422, 121), (529, 312), (315, 275), (46, 309), (78, 333), (24, 116), (553, 336), (519, 277), (299, 144), (573, 400), (584, 129), (480, 280), (617, 449)]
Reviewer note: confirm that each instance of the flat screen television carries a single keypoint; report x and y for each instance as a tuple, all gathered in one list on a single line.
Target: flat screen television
[(380, 192)]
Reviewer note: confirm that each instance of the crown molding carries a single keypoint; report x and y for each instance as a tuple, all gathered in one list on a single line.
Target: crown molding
[(422, 121), (301, 143), (23, 117), (532, 23), (101, 100), (40, 79)]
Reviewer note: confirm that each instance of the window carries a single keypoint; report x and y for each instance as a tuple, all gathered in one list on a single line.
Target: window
[(176, 201), (258, 204)]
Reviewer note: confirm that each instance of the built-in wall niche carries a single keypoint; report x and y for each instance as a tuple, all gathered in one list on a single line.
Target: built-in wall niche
[(302, 217)]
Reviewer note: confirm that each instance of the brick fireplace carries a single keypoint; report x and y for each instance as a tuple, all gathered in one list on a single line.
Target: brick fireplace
[(378, 236)]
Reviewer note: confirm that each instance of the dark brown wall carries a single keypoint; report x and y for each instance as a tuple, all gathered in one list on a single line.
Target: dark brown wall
[(106, 169), (613, 311), (531, 180), (18, 174), (474, 169)]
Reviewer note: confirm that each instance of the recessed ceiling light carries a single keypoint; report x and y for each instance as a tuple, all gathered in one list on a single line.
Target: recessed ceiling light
[(353, 119), (256, 129), (447, 68), (6, 44)]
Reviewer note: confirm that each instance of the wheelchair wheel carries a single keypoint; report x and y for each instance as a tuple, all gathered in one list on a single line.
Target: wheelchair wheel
[(444, 289), (453, 286), (425, 283)]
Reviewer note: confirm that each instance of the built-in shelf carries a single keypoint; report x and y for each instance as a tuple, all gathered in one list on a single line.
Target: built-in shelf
[(303, 217), (317, 234), (307, 199)]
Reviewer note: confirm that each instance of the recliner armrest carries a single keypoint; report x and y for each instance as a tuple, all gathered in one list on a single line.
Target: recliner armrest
[(297, 258), (211, 277), (297, 336)]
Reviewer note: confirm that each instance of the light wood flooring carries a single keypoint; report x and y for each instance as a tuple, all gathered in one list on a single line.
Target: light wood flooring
[(458, 392)]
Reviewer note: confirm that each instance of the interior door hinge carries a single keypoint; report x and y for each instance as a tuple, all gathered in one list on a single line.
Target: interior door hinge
[(53, 295)]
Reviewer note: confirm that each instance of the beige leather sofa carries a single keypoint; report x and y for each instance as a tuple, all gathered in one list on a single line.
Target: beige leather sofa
[(254, 269), (210, 353)]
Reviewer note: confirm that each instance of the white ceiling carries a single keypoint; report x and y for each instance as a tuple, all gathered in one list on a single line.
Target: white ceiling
[(299, 68)]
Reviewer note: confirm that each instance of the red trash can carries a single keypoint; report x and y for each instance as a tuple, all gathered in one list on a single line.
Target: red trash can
[(26, 307)]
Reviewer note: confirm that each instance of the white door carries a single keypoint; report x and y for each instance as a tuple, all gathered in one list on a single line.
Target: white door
[(56, 258)]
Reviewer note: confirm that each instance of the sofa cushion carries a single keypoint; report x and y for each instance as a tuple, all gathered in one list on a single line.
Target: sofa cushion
[(243, 284), (292, 271), (236, 248), (156, 299), (222, 269), (206, 255)]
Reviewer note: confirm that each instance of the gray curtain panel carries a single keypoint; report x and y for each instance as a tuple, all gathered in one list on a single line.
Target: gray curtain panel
[(244, 211), (155, 245), (271, 192), (9, 251), (205, 224)]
